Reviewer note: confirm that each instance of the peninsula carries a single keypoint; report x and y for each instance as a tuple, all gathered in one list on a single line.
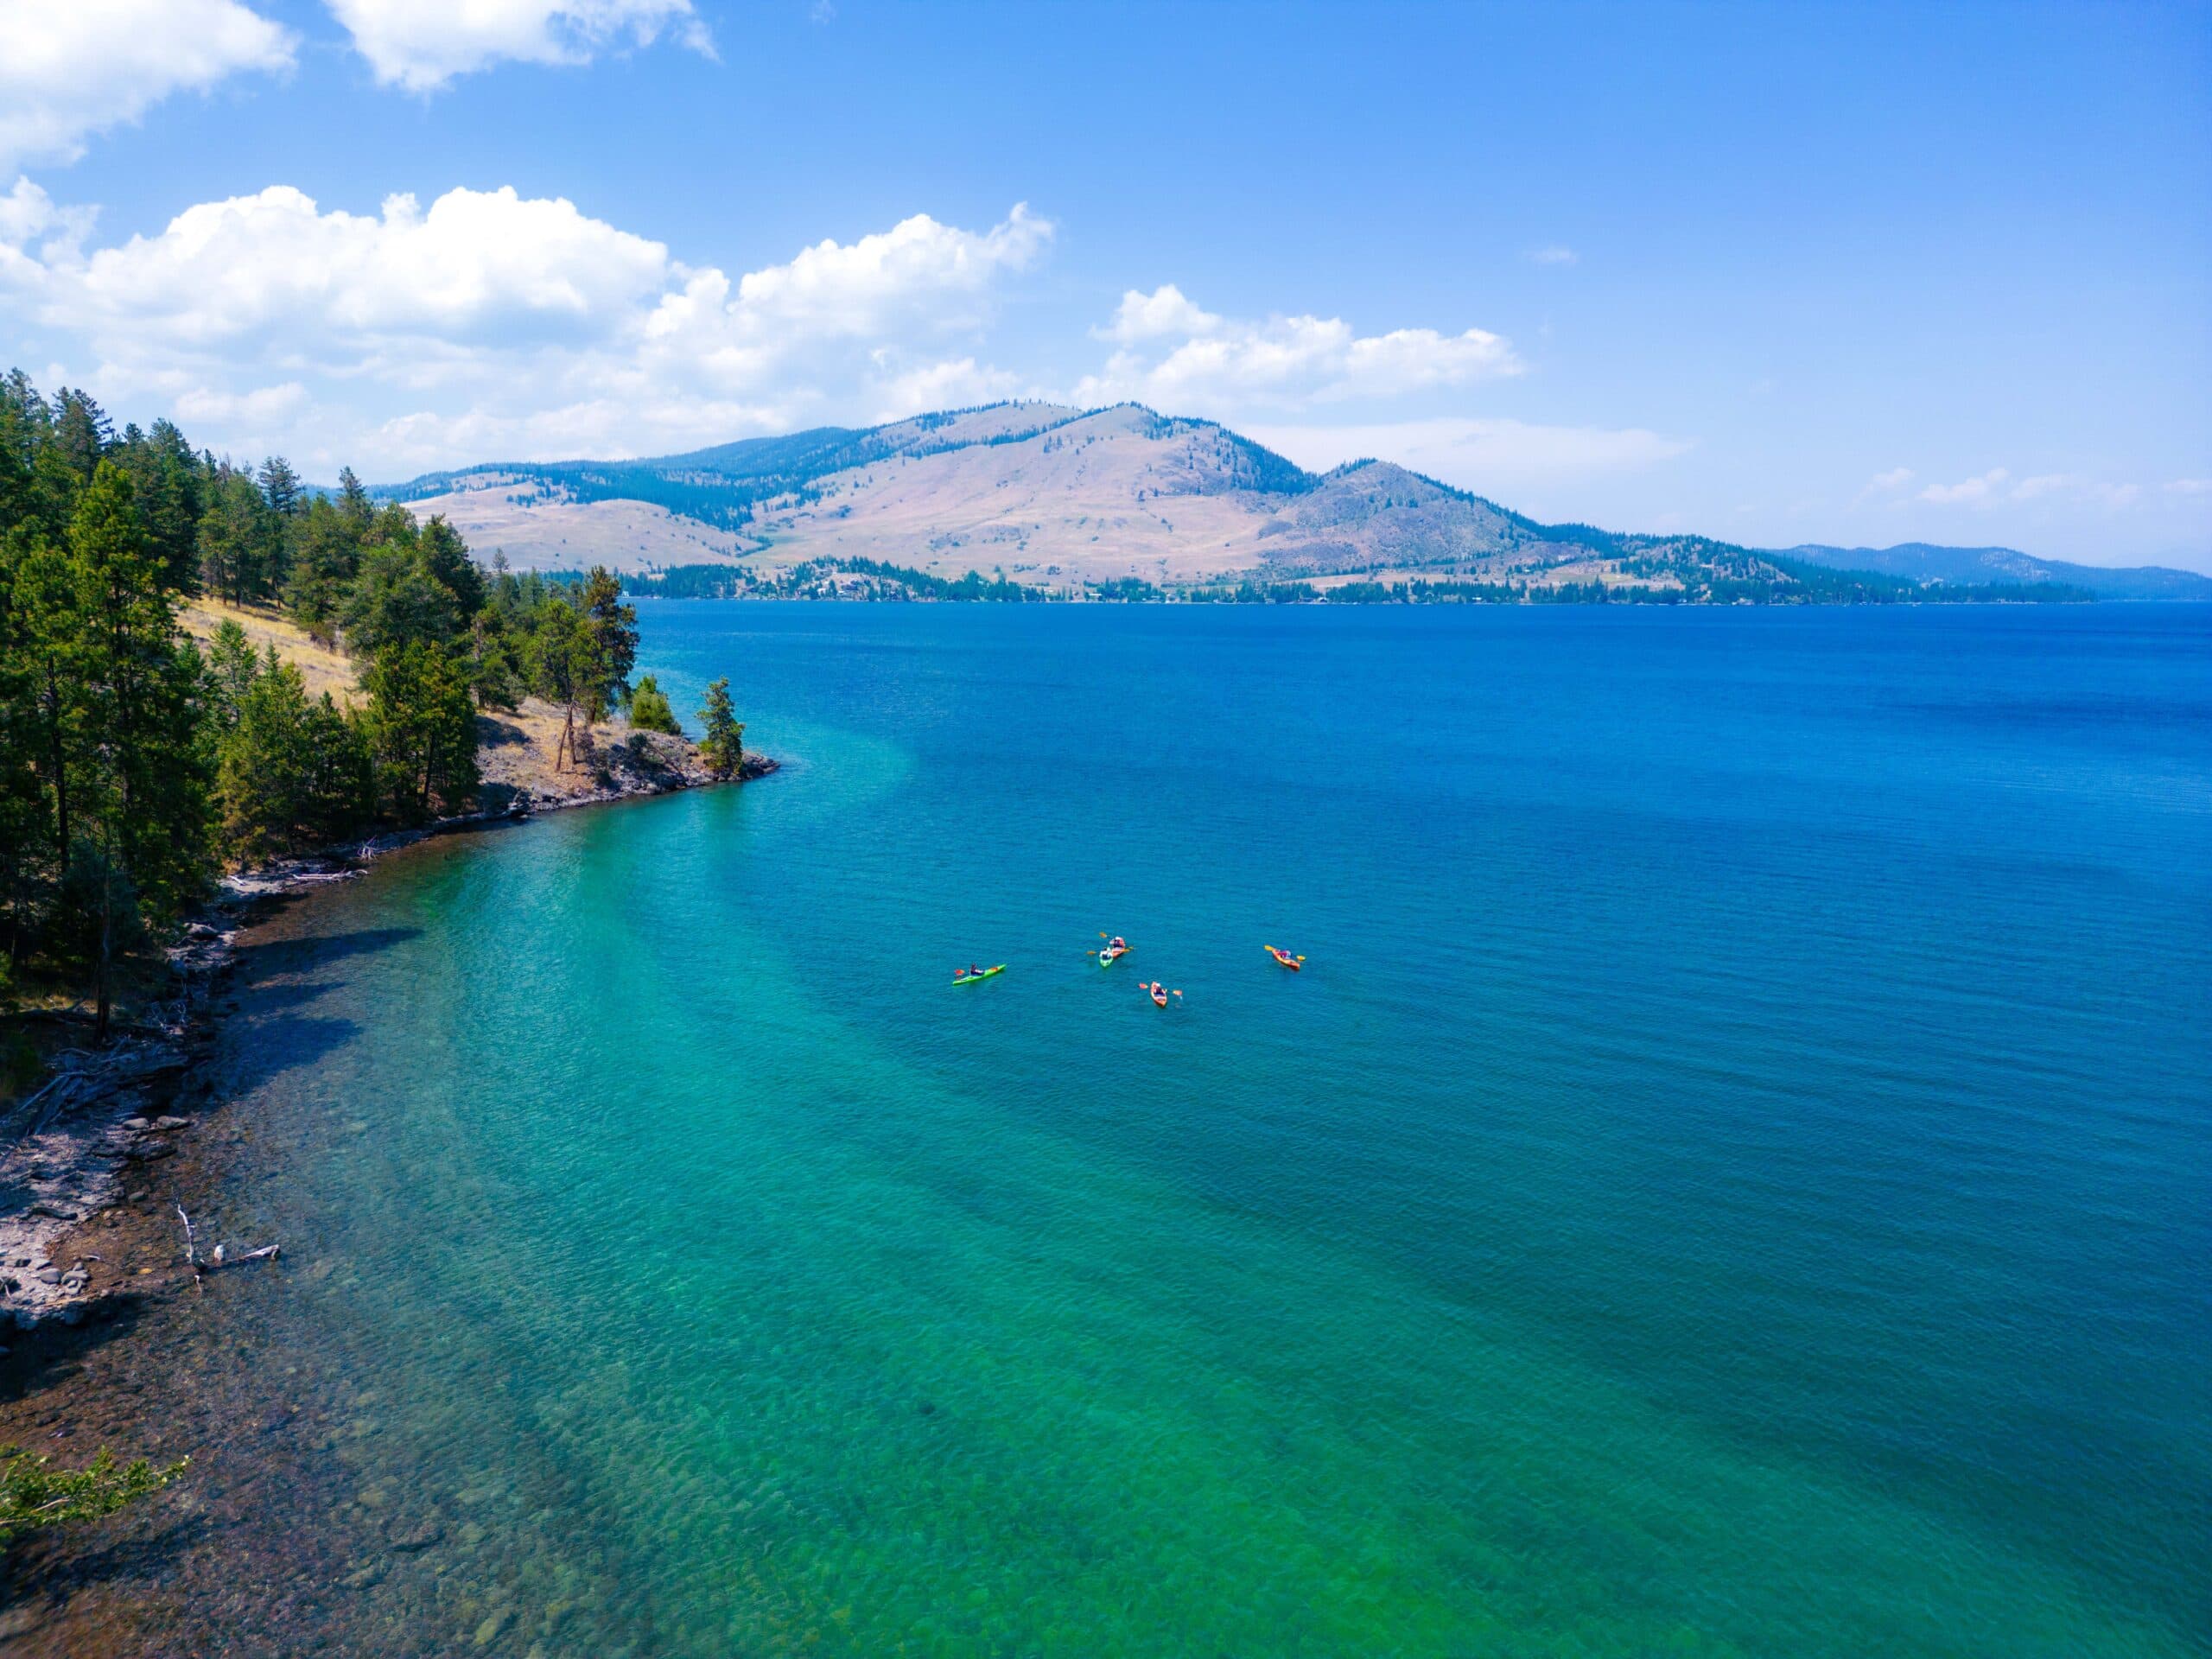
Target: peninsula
[(215, 683)]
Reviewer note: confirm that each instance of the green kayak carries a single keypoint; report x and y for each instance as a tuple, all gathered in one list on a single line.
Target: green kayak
[(981, 973)]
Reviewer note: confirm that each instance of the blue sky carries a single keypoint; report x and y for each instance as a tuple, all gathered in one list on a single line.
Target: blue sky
[(1779, 274)]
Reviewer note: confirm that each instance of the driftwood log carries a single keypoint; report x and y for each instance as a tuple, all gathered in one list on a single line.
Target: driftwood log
[(216, 1258)]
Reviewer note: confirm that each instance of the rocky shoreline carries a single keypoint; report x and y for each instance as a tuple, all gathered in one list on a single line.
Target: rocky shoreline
[(105, 1338), (89, 1138)]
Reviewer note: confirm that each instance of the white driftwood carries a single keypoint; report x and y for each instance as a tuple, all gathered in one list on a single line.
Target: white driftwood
[(218, 1257)]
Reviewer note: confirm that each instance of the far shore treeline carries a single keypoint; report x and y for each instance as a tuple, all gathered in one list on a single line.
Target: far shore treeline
[(1776, 581), (133, 765)]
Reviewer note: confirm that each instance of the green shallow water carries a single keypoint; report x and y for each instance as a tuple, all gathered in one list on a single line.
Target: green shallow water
[(1726, 1182)]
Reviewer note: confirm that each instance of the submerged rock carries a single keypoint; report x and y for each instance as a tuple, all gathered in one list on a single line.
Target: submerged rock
[(421, 1535)]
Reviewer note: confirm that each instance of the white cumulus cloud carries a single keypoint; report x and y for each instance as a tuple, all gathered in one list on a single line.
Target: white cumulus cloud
[(421, 45), (1159, 315), (1178, 356), (956, 383), (493, 325), (1998, 487), (274, 267), (70, 68), (861, 287), (1971, 492)]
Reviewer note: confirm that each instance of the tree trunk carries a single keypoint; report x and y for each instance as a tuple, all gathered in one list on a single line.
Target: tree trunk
[(60, 771), (107, 946)]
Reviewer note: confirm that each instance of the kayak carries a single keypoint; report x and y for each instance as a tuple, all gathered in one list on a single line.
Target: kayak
[(1112, 954), (1159, 994), (1289, 961), (983, 973)]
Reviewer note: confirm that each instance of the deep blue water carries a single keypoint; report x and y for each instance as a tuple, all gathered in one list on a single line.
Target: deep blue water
[(1730, 1178)]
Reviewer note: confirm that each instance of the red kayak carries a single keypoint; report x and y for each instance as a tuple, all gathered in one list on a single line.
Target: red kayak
[(1286, 958), (1160, 994)]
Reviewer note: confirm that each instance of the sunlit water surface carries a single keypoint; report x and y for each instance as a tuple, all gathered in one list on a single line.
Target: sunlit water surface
[(1730, 1178)]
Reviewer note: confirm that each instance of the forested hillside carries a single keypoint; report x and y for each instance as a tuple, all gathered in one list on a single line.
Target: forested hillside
[(135, 764)]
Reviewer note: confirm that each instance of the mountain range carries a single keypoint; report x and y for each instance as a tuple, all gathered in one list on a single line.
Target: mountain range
[(1056, 496)]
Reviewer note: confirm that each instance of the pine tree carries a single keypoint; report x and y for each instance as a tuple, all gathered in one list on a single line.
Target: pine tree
[(422, 730), (649, 710), (558, 656), (446, 562), (265, 766), (281, 488), (611, 627), (234, 540), (394, 599), (723, 745), (82, 433), (140, 684), (232, 670), (354, 501), (326, 557)]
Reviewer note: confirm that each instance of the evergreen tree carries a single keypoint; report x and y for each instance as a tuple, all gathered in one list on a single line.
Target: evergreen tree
[(167, 487), (422, 731), (354, 501), (23, 839), (341, 793), (281, 488), (232, 671), (326, 557), (446, 562), (394, 599), (496, 671), (559, 657), (234, 540), (265, 766), (139, 683), (98, 920), (82, 433), (649, 710), (611, 627), (723, 747)]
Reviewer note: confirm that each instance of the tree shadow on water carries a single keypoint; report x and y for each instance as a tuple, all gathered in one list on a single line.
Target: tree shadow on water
[(55, 1353), (40, 1576), (266, 1049), (260, 959)]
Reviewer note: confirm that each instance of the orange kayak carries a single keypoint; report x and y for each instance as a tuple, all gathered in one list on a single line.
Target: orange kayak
[(1284, 957)]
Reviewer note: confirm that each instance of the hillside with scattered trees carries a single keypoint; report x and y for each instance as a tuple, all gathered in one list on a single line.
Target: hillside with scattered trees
[(1075, 504), (137, 762)]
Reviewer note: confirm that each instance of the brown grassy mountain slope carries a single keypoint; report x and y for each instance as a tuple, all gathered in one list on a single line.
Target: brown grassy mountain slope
[(1050, 494)]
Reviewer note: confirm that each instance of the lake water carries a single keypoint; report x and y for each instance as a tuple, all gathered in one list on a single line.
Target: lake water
[(1731, 1179)]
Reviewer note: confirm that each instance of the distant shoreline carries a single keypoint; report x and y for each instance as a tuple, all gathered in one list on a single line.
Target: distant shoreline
[(867, 581)]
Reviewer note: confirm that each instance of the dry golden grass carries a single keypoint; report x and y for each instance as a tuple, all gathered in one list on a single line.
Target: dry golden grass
[(515, 748), (322, 668)]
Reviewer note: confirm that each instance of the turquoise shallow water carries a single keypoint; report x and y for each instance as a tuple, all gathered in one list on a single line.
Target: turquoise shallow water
[(1730, 1179)]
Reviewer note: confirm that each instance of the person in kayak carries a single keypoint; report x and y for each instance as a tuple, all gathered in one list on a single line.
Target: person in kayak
[(972, 971)]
